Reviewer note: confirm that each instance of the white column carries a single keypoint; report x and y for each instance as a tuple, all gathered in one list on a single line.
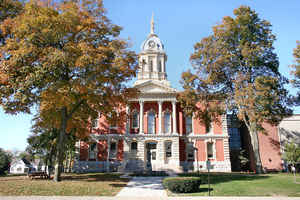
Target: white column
[(141, 117), (127, 119), (160, 117), (174, 117)]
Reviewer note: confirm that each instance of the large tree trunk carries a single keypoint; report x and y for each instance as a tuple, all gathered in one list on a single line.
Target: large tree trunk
[(60, 146), (255, 146)]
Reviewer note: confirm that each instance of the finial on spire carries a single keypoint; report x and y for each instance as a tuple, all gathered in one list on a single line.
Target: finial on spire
[(152, 24)]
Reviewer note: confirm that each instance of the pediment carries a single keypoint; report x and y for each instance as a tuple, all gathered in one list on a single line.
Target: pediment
[(154, 87)]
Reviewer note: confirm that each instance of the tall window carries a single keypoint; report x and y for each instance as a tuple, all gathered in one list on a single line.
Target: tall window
[(210, 151), (135, 120), (167, 122), (168, 149), (113, 149), (190, 151), (92, 151), (188, 124), (151, 122)]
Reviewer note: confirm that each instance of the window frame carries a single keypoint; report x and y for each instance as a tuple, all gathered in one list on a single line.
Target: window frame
[(154, 123), (191, 124), (212, 150), (170, 122), (134, 112)]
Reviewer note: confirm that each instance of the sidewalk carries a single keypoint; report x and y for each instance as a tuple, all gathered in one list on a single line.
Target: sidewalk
[(144, 187), (141, 198)]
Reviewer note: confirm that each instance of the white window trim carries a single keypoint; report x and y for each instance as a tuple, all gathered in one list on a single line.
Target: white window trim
[(138, 118), (213, 146)]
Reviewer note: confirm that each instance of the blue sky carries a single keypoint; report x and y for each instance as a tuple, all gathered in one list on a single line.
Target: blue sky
[(179, 24)]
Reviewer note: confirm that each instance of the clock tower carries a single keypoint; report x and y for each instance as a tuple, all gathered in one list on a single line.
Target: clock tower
[(152, 60)]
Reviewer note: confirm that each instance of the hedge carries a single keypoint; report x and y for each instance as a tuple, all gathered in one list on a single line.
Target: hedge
[(182, 184)]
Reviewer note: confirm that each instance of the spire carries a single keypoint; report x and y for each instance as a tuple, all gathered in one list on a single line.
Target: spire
[(152, 25)]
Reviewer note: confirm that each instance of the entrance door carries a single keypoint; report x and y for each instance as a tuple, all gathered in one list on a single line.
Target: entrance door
[(151, 156)]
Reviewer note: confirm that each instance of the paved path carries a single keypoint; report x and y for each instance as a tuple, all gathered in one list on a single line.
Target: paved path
[(141, 198), (143, 187)]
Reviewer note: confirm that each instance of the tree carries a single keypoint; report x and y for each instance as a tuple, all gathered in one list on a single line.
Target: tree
[(8, 9), (291, 153), (296, 73), (68, 62), (237, 65), (5, 160)]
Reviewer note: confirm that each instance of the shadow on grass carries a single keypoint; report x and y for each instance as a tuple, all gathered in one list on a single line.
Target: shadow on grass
[(225, 177), (204, 189), (118, 185), (97, 177)]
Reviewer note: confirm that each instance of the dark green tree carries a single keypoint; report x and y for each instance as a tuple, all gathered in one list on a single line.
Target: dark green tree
[(5, 160), (237, 65)]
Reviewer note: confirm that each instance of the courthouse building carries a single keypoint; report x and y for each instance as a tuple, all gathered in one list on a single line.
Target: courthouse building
[(157, 135)]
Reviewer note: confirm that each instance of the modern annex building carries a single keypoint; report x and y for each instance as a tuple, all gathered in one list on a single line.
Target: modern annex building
[(157, 135)]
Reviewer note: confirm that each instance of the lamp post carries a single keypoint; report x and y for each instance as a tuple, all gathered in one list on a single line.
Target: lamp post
[(208, 165)]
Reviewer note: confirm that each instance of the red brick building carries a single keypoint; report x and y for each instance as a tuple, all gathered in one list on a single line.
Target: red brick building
[(157, 135)]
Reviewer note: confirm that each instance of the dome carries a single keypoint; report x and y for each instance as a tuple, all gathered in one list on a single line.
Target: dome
[(152, 43)]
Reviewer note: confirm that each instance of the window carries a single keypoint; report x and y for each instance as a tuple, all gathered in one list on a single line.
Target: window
[(190, 151), (168, 149), (133, 146), (92, 151), (113, 148), (188, 124), (167, 122), (95, 123), (159, 66), (210, 152), (151, 122), (151, 66), (135, 120)]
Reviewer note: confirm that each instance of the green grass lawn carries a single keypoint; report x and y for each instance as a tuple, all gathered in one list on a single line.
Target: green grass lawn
[(91, 184), (223, 184)]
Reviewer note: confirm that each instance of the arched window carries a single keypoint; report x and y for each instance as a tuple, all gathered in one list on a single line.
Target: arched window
[(135, 120), (167, 122), (151, 122), (133, 146), (188, 124)]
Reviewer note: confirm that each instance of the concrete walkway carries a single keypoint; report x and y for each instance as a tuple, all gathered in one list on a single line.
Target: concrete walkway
[(140, 198), (144, 187)]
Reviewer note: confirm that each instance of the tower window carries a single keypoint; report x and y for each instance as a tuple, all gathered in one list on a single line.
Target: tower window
[(151, 66)]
